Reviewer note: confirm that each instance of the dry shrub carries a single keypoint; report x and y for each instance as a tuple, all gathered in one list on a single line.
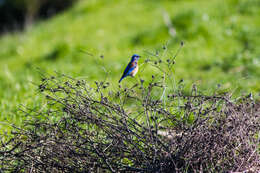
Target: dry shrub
[(142, 128)]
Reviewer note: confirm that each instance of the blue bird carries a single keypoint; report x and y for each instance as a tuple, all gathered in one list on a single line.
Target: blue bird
[(132, 67)]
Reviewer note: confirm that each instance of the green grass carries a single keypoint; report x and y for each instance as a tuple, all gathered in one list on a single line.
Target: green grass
[(222, 40)]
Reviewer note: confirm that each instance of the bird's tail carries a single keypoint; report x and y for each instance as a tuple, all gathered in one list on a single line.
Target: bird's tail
[(121, 79)]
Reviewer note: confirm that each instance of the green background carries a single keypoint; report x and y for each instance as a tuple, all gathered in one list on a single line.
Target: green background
[(222, 40)]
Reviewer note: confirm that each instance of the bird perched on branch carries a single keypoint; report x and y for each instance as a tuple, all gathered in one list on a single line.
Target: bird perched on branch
[(132, 67)]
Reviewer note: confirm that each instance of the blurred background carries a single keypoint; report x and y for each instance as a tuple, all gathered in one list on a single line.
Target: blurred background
[(89, 38)]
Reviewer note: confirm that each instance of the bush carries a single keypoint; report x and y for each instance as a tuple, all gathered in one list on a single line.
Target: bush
[(148, 127), (15, 14)]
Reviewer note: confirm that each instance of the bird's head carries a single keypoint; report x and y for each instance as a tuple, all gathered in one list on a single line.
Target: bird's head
[(135, 57)]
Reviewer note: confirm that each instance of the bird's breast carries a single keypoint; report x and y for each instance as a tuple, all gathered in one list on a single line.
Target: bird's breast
[(133, 73)]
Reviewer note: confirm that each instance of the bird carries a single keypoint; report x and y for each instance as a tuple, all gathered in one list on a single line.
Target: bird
[(132, 67)]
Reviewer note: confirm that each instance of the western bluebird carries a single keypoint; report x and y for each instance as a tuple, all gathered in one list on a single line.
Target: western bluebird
[(132, 67)]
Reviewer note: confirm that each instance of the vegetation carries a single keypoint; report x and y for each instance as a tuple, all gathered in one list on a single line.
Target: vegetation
[(16, 14), (221, 46), (151, 126), (201, 113)]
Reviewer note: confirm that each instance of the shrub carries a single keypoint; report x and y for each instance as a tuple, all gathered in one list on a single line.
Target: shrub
[(143, 128), (15, 14)]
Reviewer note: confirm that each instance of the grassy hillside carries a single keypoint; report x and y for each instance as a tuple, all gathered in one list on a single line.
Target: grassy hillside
[(221, 38)]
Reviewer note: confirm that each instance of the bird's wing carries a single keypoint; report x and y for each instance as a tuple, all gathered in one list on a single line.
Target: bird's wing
[(128, 69)]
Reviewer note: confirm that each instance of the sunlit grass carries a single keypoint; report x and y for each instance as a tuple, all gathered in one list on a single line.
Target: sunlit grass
[(221, 46)]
